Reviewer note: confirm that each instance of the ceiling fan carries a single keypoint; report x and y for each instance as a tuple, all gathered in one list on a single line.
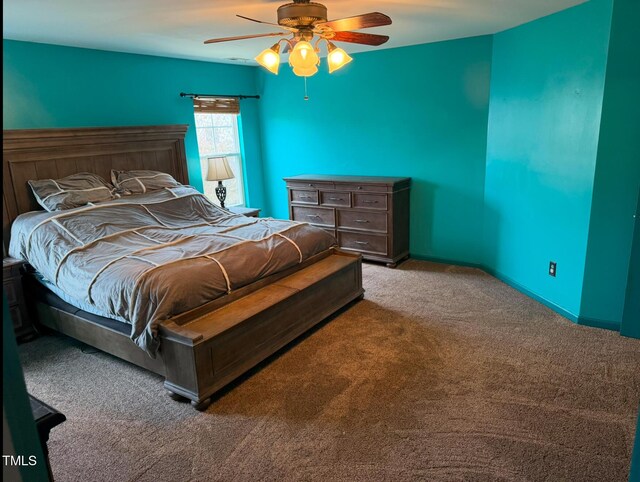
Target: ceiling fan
[(304, 20)]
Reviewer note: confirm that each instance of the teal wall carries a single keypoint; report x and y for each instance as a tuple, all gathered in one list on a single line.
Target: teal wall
[(51, 86), (547, 84), (416, 111), (617, 174)]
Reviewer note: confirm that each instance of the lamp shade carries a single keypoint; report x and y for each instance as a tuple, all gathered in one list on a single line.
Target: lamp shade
[(218, 169)]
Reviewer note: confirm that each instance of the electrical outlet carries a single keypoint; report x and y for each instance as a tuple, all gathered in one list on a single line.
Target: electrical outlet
[(552, 268)]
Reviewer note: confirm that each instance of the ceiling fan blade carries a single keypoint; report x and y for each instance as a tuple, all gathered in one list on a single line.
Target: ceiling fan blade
[(242, 37), (359, 38), (268, 23), (367, 20), (257, 21)]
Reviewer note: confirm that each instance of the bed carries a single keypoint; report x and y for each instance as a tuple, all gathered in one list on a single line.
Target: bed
[(164, 280)]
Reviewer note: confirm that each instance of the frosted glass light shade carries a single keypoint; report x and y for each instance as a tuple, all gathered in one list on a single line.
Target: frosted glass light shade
[(303, 56), (270, 59), (337, 58), (218, 169)]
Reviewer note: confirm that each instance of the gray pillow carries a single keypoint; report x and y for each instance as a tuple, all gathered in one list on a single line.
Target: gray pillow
[(141, 181), (71, 191)]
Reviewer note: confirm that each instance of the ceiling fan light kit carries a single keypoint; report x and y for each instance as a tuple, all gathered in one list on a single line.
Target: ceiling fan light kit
[(304, 20)]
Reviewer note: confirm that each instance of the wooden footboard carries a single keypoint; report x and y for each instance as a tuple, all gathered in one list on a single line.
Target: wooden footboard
[(201, 356)]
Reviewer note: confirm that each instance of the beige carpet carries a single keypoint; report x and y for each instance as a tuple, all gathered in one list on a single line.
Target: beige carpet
[(441, 373)]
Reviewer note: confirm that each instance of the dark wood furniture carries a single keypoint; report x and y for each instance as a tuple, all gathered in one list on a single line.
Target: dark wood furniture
[(250, 212), (12, 285), (206, 348), (366, 214), (46, 418)]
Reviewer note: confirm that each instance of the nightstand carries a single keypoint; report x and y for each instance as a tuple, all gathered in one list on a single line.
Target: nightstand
[(249, 212), (12, 285)]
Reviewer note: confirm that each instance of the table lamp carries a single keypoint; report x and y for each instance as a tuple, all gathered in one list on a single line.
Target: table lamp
[(218, 169)]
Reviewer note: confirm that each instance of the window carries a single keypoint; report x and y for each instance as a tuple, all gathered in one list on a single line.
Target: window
[(218, 135)]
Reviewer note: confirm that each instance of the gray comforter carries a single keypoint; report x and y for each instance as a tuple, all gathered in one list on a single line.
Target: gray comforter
[(143, 259)]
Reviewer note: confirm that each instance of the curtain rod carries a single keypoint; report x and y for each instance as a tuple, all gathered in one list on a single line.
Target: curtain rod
[(217, 96)]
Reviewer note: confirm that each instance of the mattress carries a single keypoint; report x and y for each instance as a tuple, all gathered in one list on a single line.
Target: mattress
[(146, 258), (40, 290)]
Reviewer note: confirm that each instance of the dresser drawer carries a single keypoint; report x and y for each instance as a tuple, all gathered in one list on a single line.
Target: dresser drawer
[(320, 216), (370, 201), (363, 187), (364, 220), (369, 243), (309, 185), (335, 198), (304, 197)]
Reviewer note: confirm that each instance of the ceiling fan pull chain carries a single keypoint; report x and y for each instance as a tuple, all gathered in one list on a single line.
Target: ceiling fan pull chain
[(306, 96)]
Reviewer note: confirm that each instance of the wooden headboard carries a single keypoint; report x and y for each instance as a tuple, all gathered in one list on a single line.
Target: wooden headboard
[(56, 153)]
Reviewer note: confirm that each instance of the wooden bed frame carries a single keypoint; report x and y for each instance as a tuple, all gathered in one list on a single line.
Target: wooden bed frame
[(206, 348)]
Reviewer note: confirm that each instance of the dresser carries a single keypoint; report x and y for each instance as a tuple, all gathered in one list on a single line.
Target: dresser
[(367, 214)]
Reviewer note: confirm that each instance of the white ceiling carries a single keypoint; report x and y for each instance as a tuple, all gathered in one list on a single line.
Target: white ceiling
[(178, 28)]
